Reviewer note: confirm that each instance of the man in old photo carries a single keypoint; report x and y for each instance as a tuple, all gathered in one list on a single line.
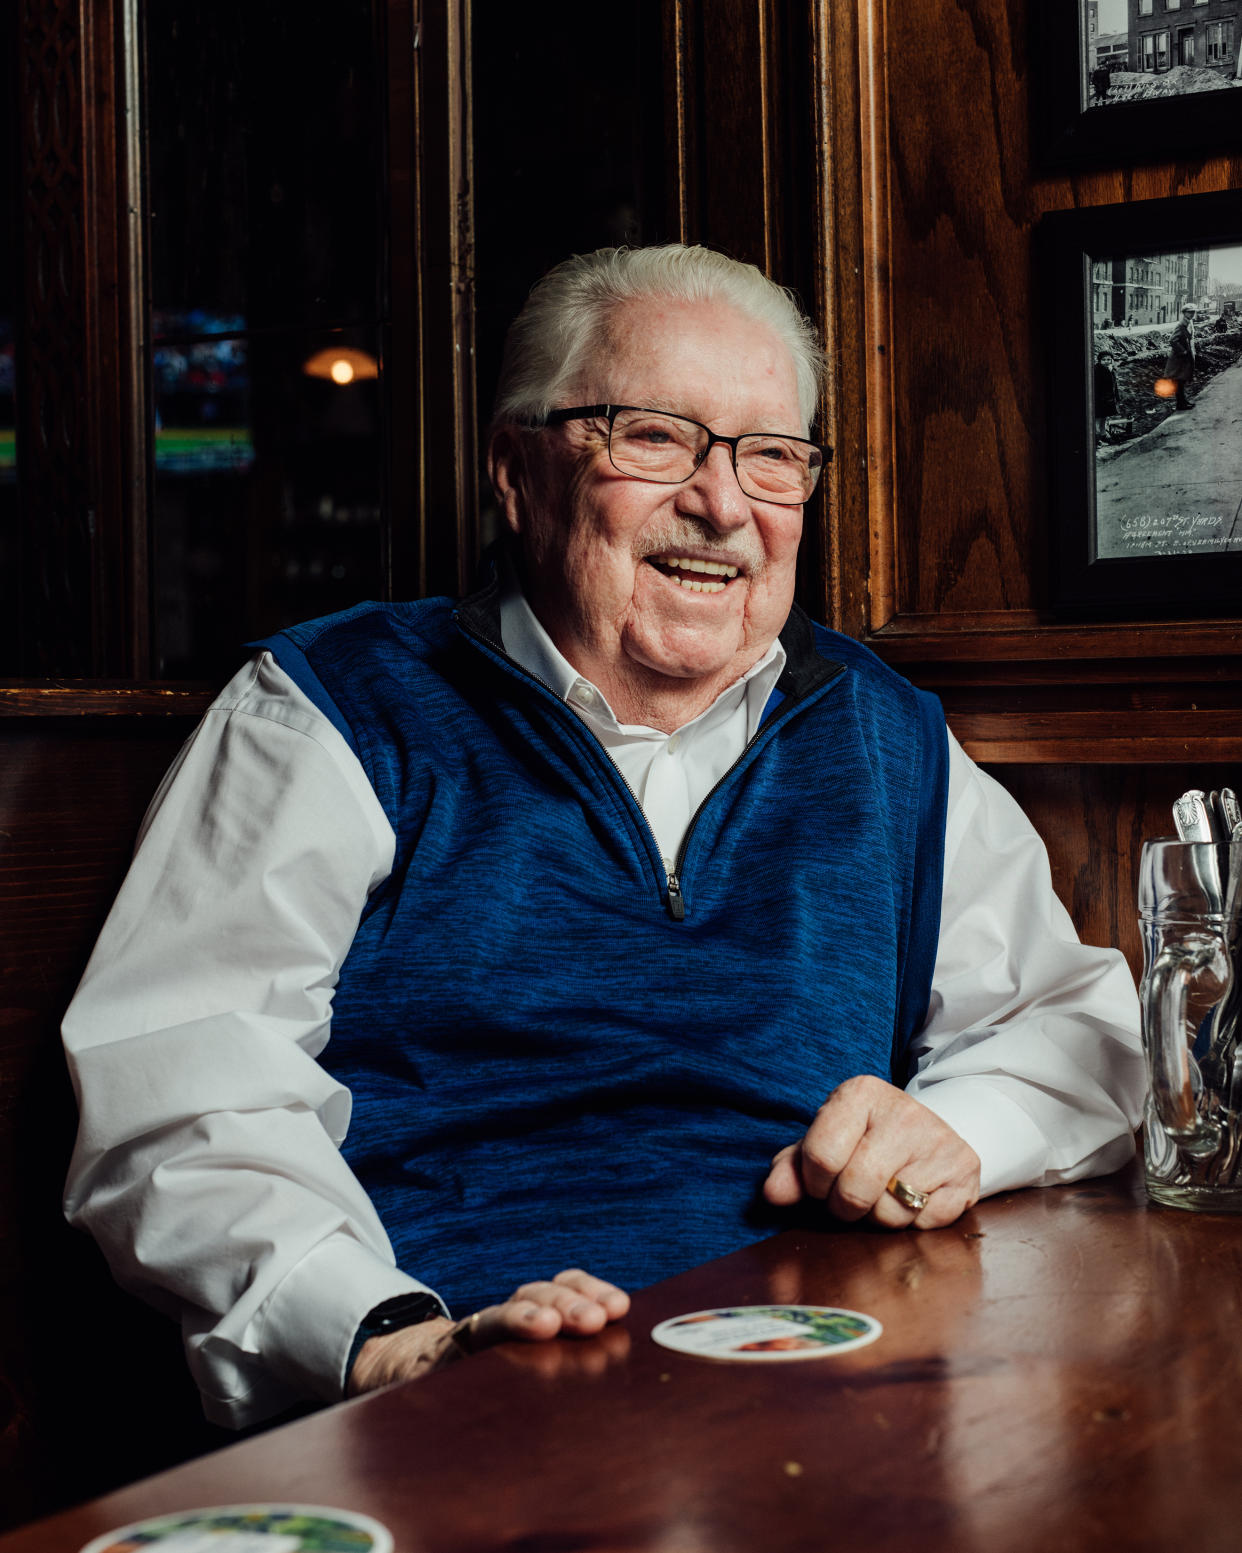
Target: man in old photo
[(1180, 363)]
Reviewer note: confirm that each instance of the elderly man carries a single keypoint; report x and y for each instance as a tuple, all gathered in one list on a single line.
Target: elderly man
[(644, 915)]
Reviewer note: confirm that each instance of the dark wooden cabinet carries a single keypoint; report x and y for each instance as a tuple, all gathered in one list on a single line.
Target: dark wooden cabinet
[(338, 200)]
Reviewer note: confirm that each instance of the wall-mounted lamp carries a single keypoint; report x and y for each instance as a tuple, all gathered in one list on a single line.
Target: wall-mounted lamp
[(341, 364)]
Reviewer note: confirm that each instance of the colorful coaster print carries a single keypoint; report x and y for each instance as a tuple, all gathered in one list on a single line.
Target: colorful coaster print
[(250, 1528), (763, 1332)]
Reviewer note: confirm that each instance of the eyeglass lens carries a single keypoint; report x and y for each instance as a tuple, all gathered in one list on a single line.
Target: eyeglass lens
[(656, 446)]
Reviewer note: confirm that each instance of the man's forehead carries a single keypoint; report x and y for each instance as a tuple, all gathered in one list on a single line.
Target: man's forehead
[(630, 327), (673, 355)]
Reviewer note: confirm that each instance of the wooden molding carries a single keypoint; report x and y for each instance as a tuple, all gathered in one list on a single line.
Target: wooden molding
[(678, 126), (1074, 738), (882, 592), (54, 406), (441, 556), (1020, 635), (91, 698)]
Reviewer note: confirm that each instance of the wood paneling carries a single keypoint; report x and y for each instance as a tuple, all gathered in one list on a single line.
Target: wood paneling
[(943, 414), (929, 194), (971, 396), (1095, 728), (432, 282), (99, 698), (1094, 819)]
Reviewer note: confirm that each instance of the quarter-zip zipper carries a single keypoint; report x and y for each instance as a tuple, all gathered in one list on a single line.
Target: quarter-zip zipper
[(676, 904), (510, 665), (674, 900)]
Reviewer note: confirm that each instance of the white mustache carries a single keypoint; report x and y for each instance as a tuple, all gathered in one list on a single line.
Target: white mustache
[(680, 535)]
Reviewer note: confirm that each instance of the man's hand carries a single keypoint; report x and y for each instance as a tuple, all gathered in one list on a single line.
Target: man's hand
[(573, 1303), (866, 1133)]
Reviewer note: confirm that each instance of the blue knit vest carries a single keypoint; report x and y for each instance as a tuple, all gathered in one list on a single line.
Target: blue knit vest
[(556, 1060)]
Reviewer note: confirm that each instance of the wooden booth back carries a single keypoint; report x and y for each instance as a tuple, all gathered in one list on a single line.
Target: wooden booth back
[(93, 1389)]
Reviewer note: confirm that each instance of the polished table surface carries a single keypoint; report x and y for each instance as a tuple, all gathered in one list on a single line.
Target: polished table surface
[(1060, 1369)]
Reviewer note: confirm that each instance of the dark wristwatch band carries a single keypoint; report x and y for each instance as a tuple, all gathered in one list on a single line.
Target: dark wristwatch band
[(405, 1310)]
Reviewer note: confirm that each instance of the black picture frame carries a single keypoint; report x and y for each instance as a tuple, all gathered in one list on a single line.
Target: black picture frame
[(1068, 134), (1172, 568)]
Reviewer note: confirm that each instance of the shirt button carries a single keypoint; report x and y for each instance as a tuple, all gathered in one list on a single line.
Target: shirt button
[(583, 694), (672, 744)]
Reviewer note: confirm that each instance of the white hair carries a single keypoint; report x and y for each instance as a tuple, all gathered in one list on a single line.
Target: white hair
[(567, 312)]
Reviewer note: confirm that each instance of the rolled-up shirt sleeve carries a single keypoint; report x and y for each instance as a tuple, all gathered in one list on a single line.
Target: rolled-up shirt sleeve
[(207, 1163), (1031, 1049)]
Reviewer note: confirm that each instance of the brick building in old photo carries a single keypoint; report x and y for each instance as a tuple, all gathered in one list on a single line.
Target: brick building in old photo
[(1202, 33)]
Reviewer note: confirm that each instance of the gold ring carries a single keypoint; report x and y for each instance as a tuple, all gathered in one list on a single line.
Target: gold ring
[(464, 1333), (907, 1196)]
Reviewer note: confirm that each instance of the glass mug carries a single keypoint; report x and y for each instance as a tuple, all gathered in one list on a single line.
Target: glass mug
[(1190, 993)]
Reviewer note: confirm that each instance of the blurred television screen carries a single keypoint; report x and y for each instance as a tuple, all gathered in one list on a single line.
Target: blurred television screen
[(201, 384), (8, 377)]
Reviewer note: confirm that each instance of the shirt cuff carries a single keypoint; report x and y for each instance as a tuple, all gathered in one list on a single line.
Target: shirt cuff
[(306, 1328), (1012, 1151)]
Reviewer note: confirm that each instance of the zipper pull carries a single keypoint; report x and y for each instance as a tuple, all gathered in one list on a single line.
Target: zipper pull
[(676, 901)]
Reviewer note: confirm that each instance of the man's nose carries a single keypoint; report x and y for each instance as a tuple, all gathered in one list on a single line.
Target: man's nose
[(712, 492)]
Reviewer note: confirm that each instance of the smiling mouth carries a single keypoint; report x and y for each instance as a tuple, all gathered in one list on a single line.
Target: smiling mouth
[(698, 576)]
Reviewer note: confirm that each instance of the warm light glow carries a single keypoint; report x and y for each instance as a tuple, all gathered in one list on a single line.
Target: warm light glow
[(341, 364), (1165, 387)]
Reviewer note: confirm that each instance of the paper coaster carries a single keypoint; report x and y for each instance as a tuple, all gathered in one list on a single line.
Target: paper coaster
[(761, 1332), (250, 1528)]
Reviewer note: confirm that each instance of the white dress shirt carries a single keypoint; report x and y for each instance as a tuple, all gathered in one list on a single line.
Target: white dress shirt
[(670, 774), (207, 1163)]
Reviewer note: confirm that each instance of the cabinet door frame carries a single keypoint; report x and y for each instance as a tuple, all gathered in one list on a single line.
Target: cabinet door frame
[(84, 423)]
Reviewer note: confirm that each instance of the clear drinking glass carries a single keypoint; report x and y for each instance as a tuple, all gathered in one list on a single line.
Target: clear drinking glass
[(1188, 911)]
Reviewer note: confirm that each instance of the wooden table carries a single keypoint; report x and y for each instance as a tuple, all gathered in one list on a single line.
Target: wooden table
[(1061, 1369)]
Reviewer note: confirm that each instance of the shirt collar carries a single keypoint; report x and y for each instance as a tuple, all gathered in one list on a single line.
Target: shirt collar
[(530, 646)]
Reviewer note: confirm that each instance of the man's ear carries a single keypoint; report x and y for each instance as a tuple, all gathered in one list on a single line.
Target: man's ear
[(506, 468)]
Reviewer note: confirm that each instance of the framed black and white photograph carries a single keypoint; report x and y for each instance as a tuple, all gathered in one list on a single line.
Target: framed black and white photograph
[(1144, 304), (1121, 81)]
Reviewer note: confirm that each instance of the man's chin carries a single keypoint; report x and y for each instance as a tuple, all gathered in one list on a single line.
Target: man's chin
[(690, 662)]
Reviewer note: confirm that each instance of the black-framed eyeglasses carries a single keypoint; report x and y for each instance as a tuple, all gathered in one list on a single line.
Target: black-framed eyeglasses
[(667, 449)]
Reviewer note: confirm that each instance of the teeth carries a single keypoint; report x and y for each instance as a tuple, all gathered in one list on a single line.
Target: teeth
[(686, 564), (698, 587)]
